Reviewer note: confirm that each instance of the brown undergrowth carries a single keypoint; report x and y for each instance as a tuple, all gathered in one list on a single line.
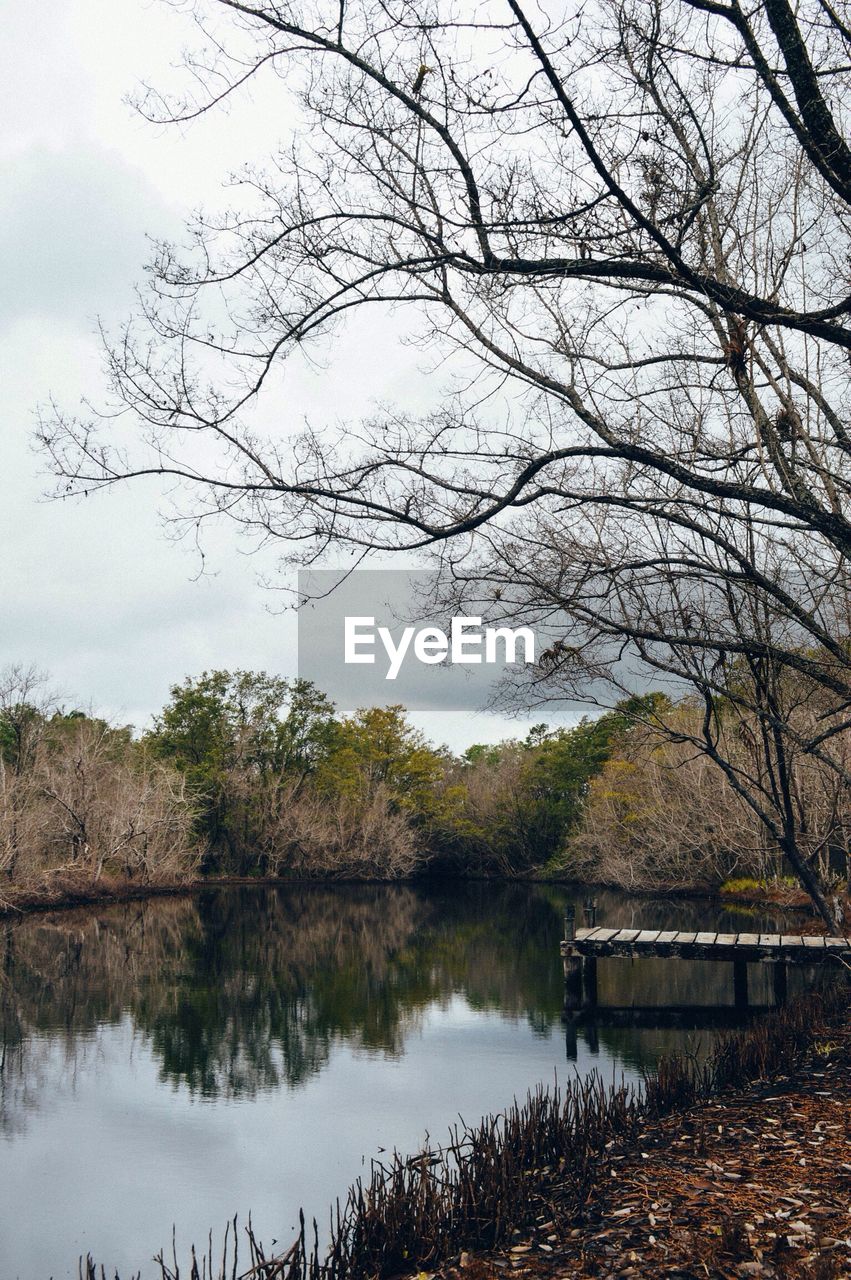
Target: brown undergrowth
[(685, 1177), (746, 1183), (58, 890)]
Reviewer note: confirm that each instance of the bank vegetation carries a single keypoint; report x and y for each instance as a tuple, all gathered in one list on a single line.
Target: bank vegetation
[(248, 775)]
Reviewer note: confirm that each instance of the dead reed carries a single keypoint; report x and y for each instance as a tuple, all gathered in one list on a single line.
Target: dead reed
[(491, 1179)]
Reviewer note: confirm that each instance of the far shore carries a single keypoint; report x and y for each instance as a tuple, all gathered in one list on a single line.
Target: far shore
[(66, 891)]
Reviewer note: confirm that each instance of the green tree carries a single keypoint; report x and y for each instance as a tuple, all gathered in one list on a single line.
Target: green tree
[(377, 747), (234, 735), (484, 753), (520, 800)]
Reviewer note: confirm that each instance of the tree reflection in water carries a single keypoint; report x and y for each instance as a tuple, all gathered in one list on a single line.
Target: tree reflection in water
[(242, 990), (247, 989)]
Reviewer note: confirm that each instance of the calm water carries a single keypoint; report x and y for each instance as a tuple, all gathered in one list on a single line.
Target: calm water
[(180, 1061)]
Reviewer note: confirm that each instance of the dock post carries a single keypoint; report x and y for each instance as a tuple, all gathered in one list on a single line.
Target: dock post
[(572, 964), (740, 984), (589, 982), (589, 908), (779, 976), (569, 923), (572, 983)]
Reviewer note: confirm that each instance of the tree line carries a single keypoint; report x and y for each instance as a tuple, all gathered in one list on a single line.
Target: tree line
[(249, 774)]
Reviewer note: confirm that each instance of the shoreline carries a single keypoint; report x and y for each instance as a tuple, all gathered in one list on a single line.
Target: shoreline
[(750, 1181), (67, 892), (736, 1166)]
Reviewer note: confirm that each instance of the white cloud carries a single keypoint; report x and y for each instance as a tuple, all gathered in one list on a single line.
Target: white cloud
[(72, 234), (92, 590)]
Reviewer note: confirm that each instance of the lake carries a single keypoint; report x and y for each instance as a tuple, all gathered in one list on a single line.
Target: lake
[(251, 1050)]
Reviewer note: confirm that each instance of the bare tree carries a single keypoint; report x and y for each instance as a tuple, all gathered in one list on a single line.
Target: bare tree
[(110, 808), (25, 704), (310, 834), (79, 796), (631, 223), (660, 815), (638, 600)]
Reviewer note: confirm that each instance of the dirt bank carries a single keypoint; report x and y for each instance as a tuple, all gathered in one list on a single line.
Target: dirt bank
[(66, 890)]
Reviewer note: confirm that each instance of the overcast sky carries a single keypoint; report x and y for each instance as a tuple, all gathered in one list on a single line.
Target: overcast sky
[(94, 591)]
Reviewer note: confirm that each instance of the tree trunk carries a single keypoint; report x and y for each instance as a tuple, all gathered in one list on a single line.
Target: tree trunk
[(810, 881)]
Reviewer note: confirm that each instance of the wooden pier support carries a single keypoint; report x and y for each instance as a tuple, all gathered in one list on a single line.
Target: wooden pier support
[(740, 984), (589, 982), (748, 947), (582, 948), (778, 974), (580, 983), (569, 924), (572, 983)]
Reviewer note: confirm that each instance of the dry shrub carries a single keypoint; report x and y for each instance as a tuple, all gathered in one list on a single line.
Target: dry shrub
[(304, 832), (488, 802), (662, 814), (90, 802)]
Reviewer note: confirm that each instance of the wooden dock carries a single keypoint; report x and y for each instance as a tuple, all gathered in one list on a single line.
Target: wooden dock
[(780, 948), (582, 948)]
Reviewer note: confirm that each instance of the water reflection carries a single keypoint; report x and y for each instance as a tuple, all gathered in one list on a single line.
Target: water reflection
[(242, 990), (379, 1011)]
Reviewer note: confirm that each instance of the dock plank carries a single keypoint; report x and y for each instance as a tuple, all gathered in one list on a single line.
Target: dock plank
[(604, 935), (792, 948)]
